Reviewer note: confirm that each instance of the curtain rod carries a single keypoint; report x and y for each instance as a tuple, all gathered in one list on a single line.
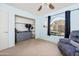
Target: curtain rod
[(63, 12)]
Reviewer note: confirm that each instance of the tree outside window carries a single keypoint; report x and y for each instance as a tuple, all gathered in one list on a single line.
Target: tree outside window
[(57, 26)]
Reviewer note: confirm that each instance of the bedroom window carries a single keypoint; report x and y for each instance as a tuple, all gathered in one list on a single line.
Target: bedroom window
[(57, 26)]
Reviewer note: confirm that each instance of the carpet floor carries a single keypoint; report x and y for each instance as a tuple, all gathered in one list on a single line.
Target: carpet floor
[(32, 47)]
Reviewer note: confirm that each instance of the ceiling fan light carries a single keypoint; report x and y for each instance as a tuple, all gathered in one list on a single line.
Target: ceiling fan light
[(46, 4), (40, 8), (51, 6)]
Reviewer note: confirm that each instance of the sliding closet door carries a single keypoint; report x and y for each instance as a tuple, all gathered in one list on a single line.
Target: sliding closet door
[(3, 30)]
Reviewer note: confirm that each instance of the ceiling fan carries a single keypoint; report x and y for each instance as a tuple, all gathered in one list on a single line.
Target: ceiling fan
[(47, 4)]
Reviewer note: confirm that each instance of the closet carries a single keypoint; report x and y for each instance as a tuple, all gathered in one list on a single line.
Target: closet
[(24, 28)]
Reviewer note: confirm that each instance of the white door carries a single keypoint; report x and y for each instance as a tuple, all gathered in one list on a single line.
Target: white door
[(3, 30)]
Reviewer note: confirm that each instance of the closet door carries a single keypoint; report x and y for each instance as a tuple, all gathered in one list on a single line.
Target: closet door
[(3, 30)]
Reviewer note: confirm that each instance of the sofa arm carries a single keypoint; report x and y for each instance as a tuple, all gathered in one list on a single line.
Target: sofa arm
[(64, 40)]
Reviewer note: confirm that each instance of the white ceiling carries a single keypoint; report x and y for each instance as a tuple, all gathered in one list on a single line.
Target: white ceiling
[(32, 7)]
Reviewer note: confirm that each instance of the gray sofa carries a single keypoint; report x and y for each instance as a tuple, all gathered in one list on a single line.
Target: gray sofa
[(70, 47)]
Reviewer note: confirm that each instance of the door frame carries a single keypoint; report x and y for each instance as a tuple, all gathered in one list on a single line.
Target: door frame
[(26, 18)]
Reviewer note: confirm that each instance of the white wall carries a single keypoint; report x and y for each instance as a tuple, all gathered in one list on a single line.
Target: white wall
[(41, 32), (12, 12), (3, 29), (75, 20)]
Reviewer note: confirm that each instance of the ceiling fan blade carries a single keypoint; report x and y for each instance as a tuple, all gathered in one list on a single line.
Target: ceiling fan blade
[(51, 6), (40, 8)]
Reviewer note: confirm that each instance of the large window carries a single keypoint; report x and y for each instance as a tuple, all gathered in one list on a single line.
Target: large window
[(57, 25)]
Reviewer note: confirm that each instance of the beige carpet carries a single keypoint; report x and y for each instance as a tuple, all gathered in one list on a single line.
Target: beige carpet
[(32, 47)]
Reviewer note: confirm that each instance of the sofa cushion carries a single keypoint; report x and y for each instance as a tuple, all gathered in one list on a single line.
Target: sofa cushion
[(67, 49), (76, 44), (74, 36)]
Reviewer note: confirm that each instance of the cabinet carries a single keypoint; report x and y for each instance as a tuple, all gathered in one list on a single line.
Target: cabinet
[(24, 35)]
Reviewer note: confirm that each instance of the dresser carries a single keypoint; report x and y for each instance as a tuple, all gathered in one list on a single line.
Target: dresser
[(24, 35)]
